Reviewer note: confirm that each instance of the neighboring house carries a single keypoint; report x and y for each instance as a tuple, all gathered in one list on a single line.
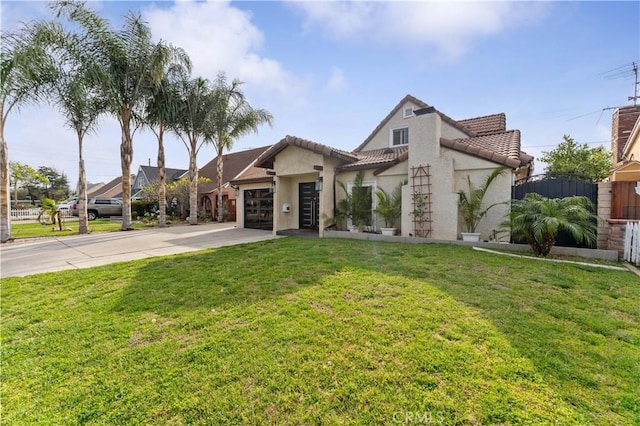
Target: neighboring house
[(627, 133), (234, 164), (415, 143), (112, 189), (149, 174), (621, 196)]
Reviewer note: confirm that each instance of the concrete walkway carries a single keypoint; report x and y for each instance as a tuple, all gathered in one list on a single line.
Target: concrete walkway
[(33, 256)]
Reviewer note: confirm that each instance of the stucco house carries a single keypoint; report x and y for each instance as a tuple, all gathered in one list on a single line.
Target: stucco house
[(297, 186)]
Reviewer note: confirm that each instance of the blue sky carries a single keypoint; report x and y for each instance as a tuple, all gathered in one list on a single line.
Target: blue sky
[(330, 71)]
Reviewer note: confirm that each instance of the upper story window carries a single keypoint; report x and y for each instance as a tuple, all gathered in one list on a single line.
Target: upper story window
[(400, 136), (407, 112)]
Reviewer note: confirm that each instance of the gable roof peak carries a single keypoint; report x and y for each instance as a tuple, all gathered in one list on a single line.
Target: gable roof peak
[(410, 98)]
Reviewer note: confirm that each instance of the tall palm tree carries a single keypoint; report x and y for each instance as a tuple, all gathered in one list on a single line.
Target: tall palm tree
[(80, 102), (232, 117), (122, 65), (193, 127), (538, 220), (23, 67), (161, 114)]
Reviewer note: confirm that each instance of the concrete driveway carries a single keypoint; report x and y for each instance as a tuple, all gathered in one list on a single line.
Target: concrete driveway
[(26, 257)]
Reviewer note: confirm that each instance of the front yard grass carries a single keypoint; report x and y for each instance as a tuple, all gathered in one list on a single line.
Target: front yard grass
[(329, 331), (69, 227)]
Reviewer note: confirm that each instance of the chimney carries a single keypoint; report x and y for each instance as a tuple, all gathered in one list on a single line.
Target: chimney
[(622, 123), (149, 161)]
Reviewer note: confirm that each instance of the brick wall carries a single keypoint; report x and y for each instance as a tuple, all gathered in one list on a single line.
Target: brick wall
[(616, 236), (622, 123)]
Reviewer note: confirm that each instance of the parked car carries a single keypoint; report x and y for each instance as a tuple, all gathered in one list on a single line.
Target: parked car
[(100, 207)]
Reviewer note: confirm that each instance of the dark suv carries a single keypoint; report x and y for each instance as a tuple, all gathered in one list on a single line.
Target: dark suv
[(100, 207)]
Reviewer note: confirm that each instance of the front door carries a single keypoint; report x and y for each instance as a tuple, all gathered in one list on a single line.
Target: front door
[(309, 206)]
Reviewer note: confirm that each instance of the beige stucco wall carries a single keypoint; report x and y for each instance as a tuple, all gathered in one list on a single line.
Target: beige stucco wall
[(499, 191), (293, 166)]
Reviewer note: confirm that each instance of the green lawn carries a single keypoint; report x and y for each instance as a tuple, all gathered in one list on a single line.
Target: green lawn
[(30, 230), (309, 331)]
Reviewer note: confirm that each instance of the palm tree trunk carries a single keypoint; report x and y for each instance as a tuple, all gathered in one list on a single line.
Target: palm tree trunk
[(162, 182), (126, 156), (220, 168), (5, 200), (193, 185), (83, 221)]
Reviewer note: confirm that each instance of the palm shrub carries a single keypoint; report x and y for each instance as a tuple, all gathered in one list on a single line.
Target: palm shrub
[(390, 205), (357, 203), (472, 208), (49, 211), (538, 219)]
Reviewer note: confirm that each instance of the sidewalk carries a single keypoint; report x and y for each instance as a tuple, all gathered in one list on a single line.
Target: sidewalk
[(26, 257)]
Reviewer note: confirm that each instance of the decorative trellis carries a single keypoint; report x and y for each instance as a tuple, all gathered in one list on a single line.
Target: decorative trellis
[(421, 201)]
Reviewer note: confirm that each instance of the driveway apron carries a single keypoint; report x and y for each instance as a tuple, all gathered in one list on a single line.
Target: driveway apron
[(33, 256)]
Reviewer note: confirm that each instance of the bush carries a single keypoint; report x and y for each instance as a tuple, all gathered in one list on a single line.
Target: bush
[(140, 207)]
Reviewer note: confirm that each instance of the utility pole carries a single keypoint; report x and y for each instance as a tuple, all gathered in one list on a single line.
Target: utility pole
[(635, 96)]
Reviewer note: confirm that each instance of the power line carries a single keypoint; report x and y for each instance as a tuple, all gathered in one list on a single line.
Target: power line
[(555, 144)]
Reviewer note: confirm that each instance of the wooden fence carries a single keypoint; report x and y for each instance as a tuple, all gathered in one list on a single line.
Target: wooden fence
[(625, 203), (632, 242)]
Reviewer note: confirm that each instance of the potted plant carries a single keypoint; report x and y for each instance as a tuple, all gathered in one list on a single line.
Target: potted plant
[(471, 205), (357, 203), (389, 207)]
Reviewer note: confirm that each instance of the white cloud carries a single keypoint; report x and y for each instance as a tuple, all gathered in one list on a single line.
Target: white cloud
[(450, 27), (219, 37), (337, 81)]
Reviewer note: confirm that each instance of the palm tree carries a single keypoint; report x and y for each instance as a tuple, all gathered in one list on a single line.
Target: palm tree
[(123, 66), (538, 220), (232, 117), (193, 127), (73, 93), (161, 114), (50, 212), (471, 204), (23, 66)]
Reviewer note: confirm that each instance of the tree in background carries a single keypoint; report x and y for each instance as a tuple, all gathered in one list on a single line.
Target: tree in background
[(232, 117), (58, 186), (180, 192), (26, 177), (571, 158)]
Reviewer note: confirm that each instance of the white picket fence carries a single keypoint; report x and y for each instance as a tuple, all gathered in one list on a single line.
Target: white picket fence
[(632, 242), (31, 214)]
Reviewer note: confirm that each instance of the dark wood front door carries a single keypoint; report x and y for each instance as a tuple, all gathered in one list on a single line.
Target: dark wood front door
[(309, 206)]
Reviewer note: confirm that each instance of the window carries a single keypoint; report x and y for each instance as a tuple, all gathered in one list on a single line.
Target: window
[(407, 112), (400, 136)]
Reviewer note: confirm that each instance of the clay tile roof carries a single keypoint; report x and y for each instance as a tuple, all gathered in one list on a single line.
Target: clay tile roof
[(381, 157), (465, 129), (266, 158), (234, 164), (502, 148), (487, 124)]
